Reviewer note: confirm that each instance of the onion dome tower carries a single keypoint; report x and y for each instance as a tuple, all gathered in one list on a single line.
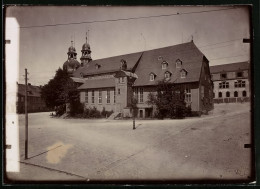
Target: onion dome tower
[(86, 53), (71, 64)]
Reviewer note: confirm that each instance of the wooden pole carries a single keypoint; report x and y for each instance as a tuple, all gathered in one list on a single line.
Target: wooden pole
[(26, 117)]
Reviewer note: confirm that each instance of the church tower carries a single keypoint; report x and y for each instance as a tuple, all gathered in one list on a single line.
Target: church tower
[(86, 53), (71, 64)]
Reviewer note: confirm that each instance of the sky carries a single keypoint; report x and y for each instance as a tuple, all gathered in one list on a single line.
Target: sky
[(218, 31)]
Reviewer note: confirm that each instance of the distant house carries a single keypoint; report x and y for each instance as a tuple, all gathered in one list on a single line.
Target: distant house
[(34, 100), (111, 82), (231, 82)]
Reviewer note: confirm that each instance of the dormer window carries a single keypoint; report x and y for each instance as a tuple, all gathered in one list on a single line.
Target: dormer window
[(152, 76), (160, 58), (81, 74), (164, 65), (97, 66), (178, 63), (183, 73), (167, 75)]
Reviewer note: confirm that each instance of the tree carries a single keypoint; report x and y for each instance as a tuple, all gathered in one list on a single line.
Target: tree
[(59, 91), (133, 107), (169, 100)]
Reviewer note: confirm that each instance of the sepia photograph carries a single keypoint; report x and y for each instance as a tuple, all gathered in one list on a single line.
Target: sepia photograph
[(128, 94)]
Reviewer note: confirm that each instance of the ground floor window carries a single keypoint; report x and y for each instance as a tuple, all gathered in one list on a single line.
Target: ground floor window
[(114, 95), (235, 94), (220, 94), (141, 91), (244, 93), (99, 96), (227, 94), (108, 96), (93, 97), (187, 95), (86, 97)]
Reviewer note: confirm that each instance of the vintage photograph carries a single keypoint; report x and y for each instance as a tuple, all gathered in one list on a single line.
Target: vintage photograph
[(128, 93)]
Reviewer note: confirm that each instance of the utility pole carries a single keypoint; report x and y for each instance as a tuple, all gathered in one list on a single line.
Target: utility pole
[(26, 117)]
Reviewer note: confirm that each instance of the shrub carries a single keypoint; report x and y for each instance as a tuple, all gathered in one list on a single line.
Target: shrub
[(60, 110)]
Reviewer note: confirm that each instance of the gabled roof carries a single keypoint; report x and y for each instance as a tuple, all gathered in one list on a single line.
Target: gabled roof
[(32, 90), (188, 53), (107, 65), (229, 67), (98, 83)]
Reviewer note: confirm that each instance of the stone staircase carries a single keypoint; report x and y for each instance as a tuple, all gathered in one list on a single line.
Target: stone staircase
[(115, 115)]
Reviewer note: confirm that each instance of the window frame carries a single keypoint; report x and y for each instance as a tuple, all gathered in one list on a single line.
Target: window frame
[(93, 97), (188, 95), (86, 96), (108, 96), (100, 96)]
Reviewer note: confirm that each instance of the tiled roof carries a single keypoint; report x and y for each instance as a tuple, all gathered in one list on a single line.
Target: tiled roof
[(32, 90), (229, 67), (111, 64), (98, 83), (78, 80), (188, 53)]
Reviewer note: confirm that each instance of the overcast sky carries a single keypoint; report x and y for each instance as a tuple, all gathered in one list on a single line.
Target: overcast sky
[(218, 34)]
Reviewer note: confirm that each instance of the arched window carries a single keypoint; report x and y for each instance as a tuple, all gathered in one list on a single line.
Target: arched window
[(227, 94), (244, 93), (235, 94), (220, 94)]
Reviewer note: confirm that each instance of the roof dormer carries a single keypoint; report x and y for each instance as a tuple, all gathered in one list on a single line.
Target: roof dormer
[(97, 66), (167, 75), (183, 73), (164, 65), (178, 63), (152, 76)]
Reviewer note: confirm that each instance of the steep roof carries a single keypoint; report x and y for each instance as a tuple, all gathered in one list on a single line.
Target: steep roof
[(98, 83), (188, 53), (229, 67), (32, 90), (110, 64)]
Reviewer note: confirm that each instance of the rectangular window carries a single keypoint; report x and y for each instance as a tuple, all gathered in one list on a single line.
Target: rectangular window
[(118, 91), (223, 76), (108, 96), (183, 74), (240, 83), (93, 97), (151, 77), (224, 85), (86, 97), (188, 95), (100, 97), (114, 95), (141, 91), (122, 80), (239, 74)]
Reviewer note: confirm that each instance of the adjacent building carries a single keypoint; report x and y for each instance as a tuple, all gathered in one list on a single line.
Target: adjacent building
[(110, 83), (34, 101), (231, 82)]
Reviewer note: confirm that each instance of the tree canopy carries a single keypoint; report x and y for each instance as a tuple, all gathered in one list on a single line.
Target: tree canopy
[(60, 90), (169, 100)]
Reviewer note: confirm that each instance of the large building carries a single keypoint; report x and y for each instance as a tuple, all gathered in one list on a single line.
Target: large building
[(34, 101), (231, 82), (110, 83)]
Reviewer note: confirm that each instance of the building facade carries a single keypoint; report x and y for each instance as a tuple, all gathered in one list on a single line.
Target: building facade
[(34, 101), (110, 83), (231, 82)]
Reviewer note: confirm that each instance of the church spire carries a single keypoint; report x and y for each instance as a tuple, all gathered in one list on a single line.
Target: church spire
[(86, 52)]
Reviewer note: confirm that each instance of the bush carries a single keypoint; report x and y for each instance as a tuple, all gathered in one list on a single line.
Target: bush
[(105, 113), (60, 110)]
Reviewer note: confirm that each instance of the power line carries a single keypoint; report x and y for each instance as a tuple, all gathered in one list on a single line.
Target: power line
[(227, 57), (220, 42), (123, 19)]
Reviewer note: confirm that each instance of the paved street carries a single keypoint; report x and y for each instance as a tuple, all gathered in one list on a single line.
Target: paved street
[(209, 147)]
